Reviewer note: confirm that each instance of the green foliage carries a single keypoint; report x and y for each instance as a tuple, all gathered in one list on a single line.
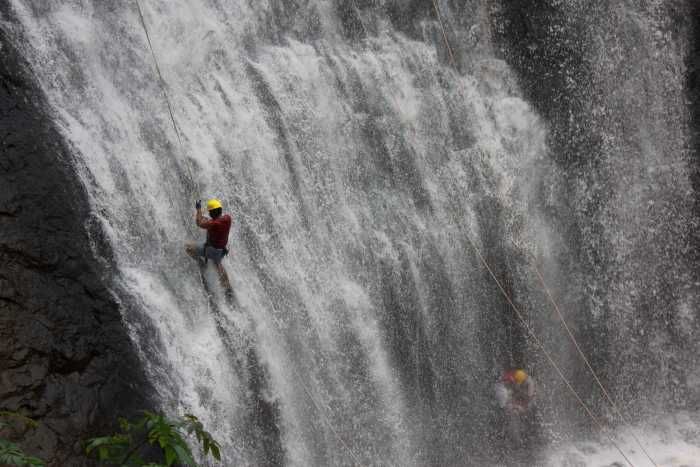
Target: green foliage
[(155, 430), (10, 453), (209, 445)]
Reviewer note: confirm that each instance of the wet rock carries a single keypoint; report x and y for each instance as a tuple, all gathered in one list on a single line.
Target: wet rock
[(41, 442), (65, 357)]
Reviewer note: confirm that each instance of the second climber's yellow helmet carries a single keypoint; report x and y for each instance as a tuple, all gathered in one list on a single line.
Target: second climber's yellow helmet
[(213, 204), (520, 376)]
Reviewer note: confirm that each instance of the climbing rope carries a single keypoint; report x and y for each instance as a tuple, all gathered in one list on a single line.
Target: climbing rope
[(164, 88), (482, 259), (515, 309), (588, 364), (444, 34), (510, 302), (546, 352), (182, 147)]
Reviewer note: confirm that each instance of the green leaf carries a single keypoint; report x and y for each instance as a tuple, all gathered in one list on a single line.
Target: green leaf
[(34, 461), (215, 451), (124, 425), (107, 441), (184, 455), (11, 454), (208, 444), (167, 435), (170, 455)]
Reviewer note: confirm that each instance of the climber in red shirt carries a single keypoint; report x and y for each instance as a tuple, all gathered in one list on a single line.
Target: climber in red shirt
[(214, 248), (515, 391)]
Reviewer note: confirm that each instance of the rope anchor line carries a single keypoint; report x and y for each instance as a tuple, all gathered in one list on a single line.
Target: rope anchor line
[(164, 88), (615, 407), (486, 265), (547, 355), (182, 147), (531, 331), (481, 258)]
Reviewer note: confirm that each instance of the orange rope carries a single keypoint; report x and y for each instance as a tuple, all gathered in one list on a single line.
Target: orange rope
[(510, 302), (505, 294), (444, 34), (545, 352), (588, 364)]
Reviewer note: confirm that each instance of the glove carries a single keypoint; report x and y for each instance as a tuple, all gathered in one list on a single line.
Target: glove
[(198, 204)]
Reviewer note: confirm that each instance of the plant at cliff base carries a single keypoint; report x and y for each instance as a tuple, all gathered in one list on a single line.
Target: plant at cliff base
[(10, 453), (152, 430)]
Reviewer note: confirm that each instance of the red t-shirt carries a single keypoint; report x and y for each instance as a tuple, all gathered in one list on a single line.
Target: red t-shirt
[(508, 377), (217, 230)]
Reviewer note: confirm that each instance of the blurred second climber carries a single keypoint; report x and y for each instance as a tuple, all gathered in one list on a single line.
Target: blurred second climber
[(515, 393), (215, 246)]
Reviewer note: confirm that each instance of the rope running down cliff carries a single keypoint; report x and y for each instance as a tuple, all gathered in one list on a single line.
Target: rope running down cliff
[(515, 309), (164, 88), (520, 317), (510, 302), (505, 294), (588, 364), (353, 455)]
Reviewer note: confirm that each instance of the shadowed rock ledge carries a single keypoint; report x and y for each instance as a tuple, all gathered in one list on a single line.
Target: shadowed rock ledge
[(65, 357)]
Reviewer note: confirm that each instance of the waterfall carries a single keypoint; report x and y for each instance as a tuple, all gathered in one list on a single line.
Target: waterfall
[(364, 171)]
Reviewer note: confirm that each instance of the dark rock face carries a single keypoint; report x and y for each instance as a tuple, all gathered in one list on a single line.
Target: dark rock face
[(65, 357), (693, 86)]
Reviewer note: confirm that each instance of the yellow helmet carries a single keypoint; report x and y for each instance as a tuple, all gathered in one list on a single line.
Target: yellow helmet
[(213, 204), (520, 376)]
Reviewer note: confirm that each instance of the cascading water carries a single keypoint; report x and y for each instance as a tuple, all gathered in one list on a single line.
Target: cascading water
[(361, 169)]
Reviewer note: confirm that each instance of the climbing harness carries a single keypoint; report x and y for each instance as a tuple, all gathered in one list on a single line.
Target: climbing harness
[(208, 245)]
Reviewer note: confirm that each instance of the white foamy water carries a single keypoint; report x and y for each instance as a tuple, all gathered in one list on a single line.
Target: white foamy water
[(358, 172), (670, 441)]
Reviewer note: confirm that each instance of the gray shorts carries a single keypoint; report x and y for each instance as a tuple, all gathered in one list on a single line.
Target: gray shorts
[(211, 253)]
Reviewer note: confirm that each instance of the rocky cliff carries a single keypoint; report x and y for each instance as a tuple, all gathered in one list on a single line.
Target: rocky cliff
[(65, 357)]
